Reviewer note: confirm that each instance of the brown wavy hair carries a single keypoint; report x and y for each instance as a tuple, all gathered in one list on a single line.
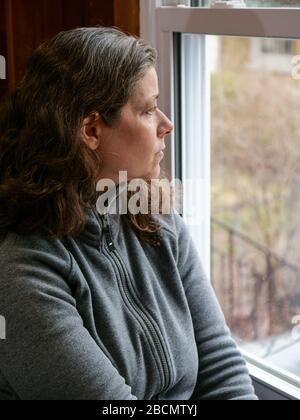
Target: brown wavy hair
[(48, 176)]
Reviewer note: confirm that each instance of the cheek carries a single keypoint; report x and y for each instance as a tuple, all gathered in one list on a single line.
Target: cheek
[(137, 142), (145, 141), (145, 150)]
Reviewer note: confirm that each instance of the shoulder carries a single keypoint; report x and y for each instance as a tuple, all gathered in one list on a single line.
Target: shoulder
[(31, 255), (172, 223), (37, 246), (174, 232)]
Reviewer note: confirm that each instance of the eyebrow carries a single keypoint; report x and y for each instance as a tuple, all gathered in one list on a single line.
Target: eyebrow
[(155, 96), (147, 101)]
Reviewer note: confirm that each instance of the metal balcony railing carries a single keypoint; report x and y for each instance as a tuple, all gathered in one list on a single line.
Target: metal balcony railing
[(259, 291)]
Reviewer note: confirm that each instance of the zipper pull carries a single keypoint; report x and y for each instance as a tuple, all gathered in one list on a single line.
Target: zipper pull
[(108, 237)]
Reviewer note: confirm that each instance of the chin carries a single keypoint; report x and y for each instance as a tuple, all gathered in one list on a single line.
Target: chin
[(155, 174)]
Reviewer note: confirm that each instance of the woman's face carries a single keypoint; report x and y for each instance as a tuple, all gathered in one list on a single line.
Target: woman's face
[(135, 143)]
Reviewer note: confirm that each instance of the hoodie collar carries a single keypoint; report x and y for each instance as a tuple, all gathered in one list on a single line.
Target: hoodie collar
[(93, 229), (94, 224)]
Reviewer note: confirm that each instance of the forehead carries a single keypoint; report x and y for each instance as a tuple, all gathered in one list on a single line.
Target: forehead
[(147, 87)]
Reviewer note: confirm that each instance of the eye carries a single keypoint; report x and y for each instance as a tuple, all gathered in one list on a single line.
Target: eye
[(150, 112)]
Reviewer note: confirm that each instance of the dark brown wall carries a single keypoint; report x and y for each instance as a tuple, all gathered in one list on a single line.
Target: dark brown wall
[(3, 83), (25, 24)]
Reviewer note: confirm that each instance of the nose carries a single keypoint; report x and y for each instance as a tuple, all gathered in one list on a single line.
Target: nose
[(166, 126), (171, 127)]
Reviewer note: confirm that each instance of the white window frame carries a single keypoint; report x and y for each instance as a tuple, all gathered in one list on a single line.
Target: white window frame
[(158, 24), (160, 36)]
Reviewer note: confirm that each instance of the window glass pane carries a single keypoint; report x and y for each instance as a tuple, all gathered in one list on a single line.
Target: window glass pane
[(255, 134), (255, 3)]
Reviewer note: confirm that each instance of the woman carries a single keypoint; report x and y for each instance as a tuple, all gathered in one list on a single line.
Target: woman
[(112, 306)]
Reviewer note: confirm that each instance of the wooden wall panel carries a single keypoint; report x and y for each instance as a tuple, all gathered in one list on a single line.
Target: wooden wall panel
[(126, 16), (73, 14), (2, 16), (99, 12), (28, 23), (3, 51)]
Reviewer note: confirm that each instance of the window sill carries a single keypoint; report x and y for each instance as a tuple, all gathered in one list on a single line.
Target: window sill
[(270, 386)]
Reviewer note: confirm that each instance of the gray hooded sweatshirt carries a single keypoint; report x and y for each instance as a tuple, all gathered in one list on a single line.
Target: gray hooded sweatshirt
[(105, 316)]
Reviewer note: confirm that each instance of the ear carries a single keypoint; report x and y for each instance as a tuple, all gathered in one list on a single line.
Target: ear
[(91, 130)]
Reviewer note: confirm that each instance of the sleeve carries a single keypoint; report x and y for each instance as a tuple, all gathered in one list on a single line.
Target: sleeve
[(222, 373), (48, 354)]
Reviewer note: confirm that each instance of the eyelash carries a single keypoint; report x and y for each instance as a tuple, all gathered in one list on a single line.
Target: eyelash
[(151, 113)]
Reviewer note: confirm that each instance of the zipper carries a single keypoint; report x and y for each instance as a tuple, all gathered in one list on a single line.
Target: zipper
[(107, 234), (114, 256)]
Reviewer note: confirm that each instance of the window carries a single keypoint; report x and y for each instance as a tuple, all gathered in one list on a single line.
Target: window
[(255, 198), (274, 55), (276, 46), (226, 82), (254, 3)]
